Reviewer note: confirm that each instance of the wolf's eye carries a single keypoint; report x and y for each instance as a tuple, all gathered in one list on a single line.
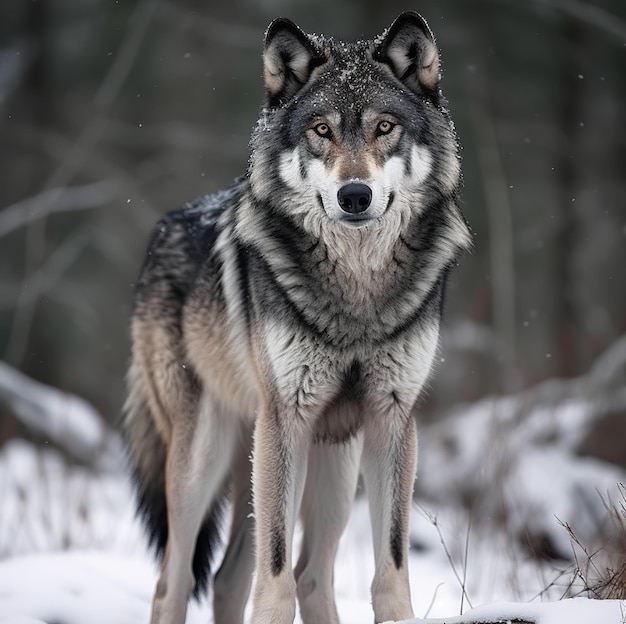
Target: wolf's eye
[(384, 127), (323, 130)]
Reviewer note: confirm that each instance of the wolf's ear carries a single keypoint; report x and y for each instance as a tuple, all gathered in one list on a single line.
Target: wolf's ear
[(289, 59), (408, 47)]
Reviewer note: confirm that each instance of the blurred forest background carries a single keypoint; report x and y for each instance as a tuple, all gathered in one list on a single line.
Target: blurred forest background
[(114, 112)]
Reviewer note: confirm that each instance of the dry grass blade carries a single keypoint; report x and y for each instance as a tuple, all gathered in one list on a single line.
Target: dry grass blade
[(433, 520), (601, 568)]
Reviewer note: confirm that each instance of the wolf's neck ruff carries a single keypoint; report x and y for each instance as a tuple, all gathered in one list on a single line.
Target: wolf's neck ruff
[(379, 275)]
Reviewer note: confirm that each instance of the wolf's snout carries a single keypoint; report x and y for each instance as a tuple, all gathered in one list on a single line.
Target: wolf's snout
[(354, 197)]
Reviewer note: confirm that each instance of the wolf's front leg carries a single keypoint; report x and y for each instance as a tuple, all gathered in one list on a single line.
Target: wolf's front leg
[(389, 464), (278, 474)]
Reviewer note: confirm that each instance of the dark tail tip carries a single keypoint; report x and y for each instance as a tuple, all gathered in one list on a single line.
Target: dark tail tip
[(206, 544), (149, 481), (152, 509)]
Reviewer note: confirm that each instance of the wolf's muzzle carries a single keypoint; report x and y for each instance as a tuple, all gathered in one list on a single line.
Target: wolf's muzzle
[(354, 197)]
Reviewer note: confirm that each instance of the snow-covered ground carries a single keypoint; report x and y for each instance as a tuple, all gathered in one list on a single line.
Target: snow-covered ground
[(71, 551)]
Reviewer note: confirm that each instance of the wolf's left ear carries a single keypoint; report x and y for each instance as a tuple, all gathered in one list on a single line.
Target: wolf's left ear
[(409, 49), (289, 59)]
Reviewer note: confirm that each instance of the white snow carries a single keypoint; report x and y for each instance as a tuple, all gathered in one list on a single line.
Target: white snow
[(64, 418), (72, 552), (521, 459), (573, 611)]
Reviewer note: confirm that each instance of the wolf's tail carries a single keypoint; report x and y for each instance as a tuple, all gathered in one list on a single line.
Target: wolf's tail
[(147, 454)]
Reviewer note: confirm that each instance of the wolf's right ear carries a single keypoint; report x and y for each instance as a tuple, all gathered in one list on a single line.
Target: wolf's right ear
[(289, 59)]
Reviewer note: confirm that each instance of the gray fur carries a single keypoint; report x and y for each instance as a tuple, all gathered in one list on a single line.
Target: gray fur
[(266, 316)]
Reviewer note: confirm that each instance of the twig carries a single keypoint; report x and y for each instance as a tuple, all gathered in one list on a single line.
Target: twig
[(432, 601), (42, 280), (465, 559), (594, 15), (65, 199), (553, 583), (433, 520), (78, 155), (586, 12), (500, 216)]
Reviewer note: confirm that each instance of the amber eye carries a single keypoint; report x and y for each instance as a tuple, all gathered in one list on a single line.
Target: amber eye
[(384, 127), (323, 130)]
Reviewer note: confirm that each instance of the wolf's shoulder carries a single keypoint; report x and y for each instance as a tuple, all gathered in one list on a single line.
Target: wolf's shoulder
[(195, 225), (207, 209)]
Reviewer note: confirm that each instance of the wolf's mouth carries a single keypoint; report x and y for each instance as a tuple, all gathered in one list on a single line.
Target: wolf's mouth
[(354, 221)]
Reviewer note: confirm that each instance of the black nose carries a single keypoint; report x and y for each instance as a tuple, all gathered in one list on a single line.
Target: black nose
[(354, 197)]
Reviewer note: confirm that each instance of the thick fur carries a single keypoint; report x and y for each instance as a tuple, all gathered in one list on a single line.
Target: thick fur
[(297, 314)]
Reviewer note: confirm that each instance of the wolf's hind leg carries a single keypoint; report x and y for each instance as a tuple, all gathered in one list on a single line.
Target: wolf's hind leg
[(198, 459), (233, 580), (328, 495)]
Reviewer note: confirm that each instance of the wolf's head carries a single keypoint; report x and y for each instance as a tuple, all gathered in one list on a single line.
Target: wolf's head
[(355, 134)]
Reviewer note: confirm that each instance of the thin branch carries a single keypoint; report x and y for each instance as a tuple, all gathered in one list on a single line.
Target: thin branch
[(594, 16), (433, 520), (500, 215), (62, 199), (143, 213), (567, 572), (65, 419), (465, 560), (104, 98), (586, 12), (78, 154), (432, 601), (40, 282)]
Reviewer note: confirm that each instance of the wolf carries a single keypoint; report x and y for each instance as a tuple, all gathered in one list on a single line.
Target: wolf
[(284, 327)]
